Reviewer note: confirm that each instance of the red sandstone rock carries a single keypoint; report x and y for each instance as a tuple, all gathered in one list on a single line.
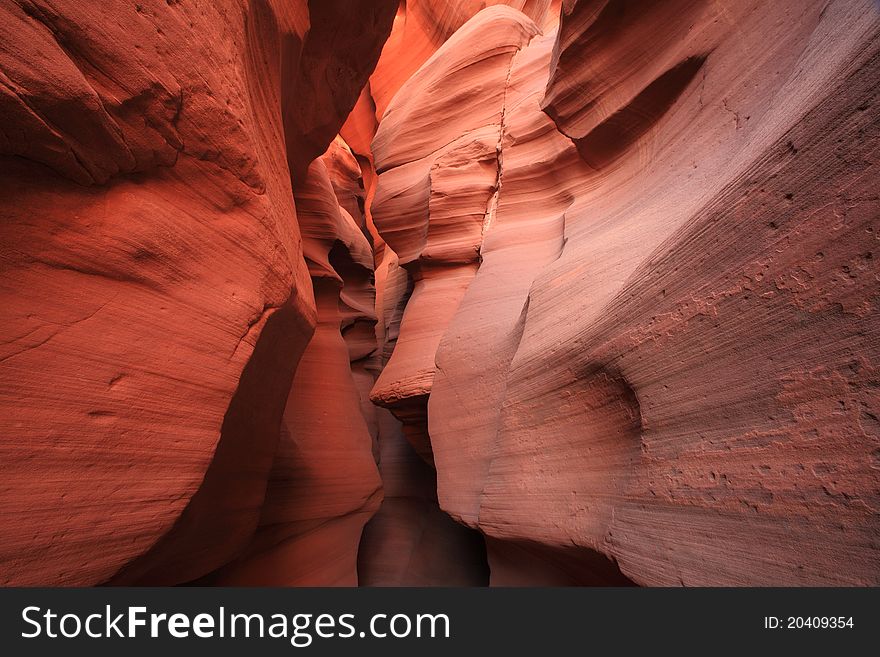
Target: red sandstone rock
[(525, 234), (324, 484), (625, 273), (341, 47), (669, 343), (410, 541), (704, 359), (154, 292), (435, 194), (422, 26)]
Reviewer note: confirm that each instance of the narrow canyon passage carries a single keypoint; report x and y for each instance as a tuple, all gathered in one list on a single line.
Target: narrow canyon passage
[(439, 293)]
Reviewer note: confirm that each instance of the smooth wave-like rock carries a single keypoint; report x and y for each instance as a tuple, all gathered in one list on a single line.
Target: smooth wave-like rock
[(410, 541), (423, 26), (696, 370), (435, 193), (541, 173), (324, 484), (665, 355), (439, 292), (155, 297)]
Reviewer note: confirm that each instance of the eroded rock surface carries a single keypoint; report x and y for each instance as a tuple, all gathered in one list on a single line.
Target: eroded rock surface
[(155, 297), (666, 355), (324, 484), (588, 287), (410, 541)]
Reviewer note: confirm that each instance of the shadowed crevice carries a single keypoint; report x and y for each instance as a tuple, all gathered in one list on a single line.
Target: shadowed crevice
[(529, 563), (614, 136), (222, 515)]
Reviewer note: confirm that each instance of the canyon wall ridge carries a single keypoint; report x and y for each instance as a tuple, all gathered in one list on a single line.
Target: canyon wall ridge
[(440, 292)]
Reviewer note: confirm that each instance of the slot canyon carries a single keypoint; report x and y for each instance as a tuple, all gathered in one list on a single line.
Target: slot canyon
[(440, 293)]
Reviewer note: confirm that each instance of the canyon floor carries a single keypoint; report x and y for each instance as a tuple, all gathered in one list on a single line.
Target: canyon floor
[(440, 293)]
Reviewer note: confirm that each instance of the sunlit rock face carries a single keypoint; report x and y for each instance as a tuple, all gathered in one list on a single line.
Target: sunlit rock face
[(155, 297), (661, 367)]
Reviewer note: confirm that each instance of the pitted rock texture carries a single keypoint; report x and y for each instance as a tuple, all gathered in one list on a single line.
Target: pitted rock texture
[(662, 369), (439, 292)]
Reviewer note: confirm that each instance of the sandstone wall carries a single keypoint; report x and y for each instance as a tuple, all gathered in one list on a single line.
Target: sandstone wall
[(155, 296), (663, 368)]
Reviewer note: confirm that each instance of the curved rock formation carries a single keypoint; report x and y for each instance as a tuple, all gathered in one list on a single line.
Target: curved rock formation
[(324, 484), (422, 26), (588, 287), (435, 194), (685, 236), (723, 206), (410, 541), (155, 297)]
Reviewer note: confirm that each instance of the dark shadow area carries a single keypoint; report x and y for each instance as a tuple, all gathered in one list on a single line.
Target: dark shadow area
[(528, 563), (411, 541), (614, 136), (222, 515)]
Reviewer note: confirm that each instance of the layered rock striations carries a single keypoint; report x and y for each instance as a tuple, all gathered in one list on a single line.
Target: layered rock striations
[(434, 196), (423, 26), (586, 290), (410, 541), (666, 353), (156, 300), (696, 371), (324, 484)]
